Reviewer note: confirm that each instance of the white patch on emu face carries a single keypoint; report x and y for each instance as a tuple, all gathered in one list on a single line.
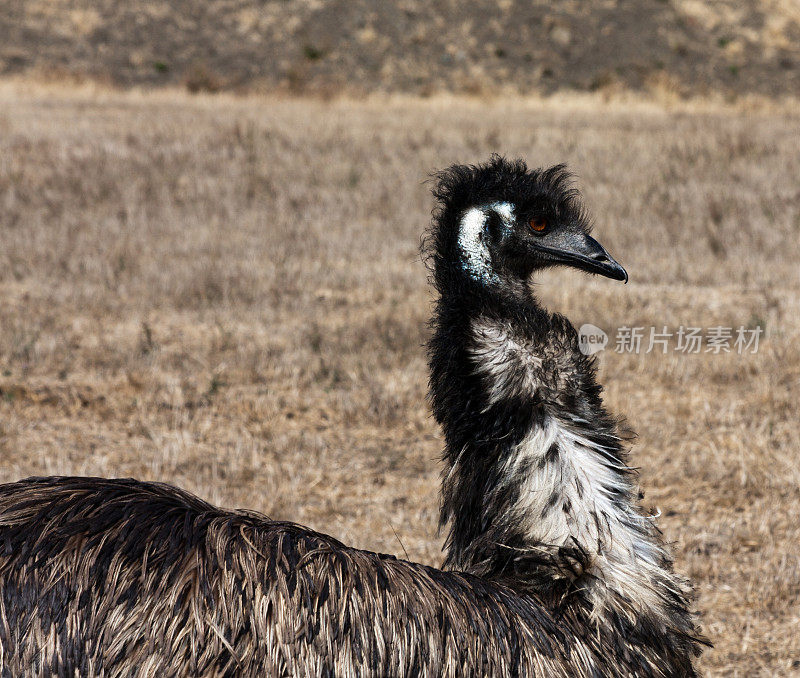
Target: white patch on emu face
[(503, 360), (471, 239), (505, 210)]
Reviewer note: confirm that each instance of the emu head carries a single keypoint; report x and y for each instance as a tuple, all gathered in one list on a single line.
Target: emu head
[(499, 222)]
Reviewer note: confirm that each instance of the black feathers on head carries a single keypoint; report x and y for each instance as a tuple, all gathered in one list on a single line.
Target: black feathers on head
[(461, 186)]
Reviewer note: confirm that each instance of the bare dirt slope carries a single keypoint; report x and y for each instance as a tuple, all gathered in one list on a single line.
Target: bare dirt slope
[(228, 295), (326, 46)]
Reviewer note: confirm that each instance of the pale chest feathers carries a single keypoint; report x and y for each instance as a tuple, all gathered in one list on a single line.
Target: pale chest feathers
[(561, 489), (568, 493)]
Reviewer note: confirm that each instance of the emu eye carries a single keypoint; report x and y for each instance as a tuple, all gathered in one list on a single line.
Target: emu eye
[(538, 224)]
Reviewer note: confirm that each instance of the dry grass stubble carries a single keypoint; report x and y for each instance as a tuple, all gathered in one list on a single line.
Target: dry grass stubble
[(227, 295)]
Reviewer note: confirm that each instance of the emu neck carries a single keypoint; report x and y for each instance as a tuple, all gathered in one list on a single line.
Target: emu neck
[(536, 489)]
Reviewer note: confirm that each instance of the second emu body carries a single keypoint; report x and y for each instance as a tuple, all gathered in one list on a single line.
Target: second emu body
[(551, 567)]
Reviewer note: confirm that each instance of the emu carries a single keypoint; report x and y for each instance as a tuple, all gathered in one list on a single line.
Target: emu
[(551, 568)]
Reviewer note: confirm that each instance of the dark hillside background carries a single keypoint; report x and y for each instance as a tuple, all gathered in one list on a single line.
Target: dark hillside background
[(358, 46)]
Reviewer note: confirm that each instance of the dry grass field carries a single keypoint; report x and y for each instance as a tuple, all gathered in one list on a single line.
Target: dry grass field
[(227, 294)]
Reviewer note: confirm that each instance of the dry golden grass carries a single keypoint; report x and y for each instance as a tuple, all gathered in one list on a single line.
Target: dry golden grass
[(227, 294)]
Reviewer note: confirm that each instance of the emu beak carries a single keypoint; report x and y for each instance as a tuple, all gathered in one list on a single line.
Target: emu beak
[(584, 252)]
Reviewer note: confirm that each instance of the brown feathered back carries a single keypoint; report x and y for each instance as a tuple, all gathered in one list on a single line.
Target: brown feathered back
[(121, 578)]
